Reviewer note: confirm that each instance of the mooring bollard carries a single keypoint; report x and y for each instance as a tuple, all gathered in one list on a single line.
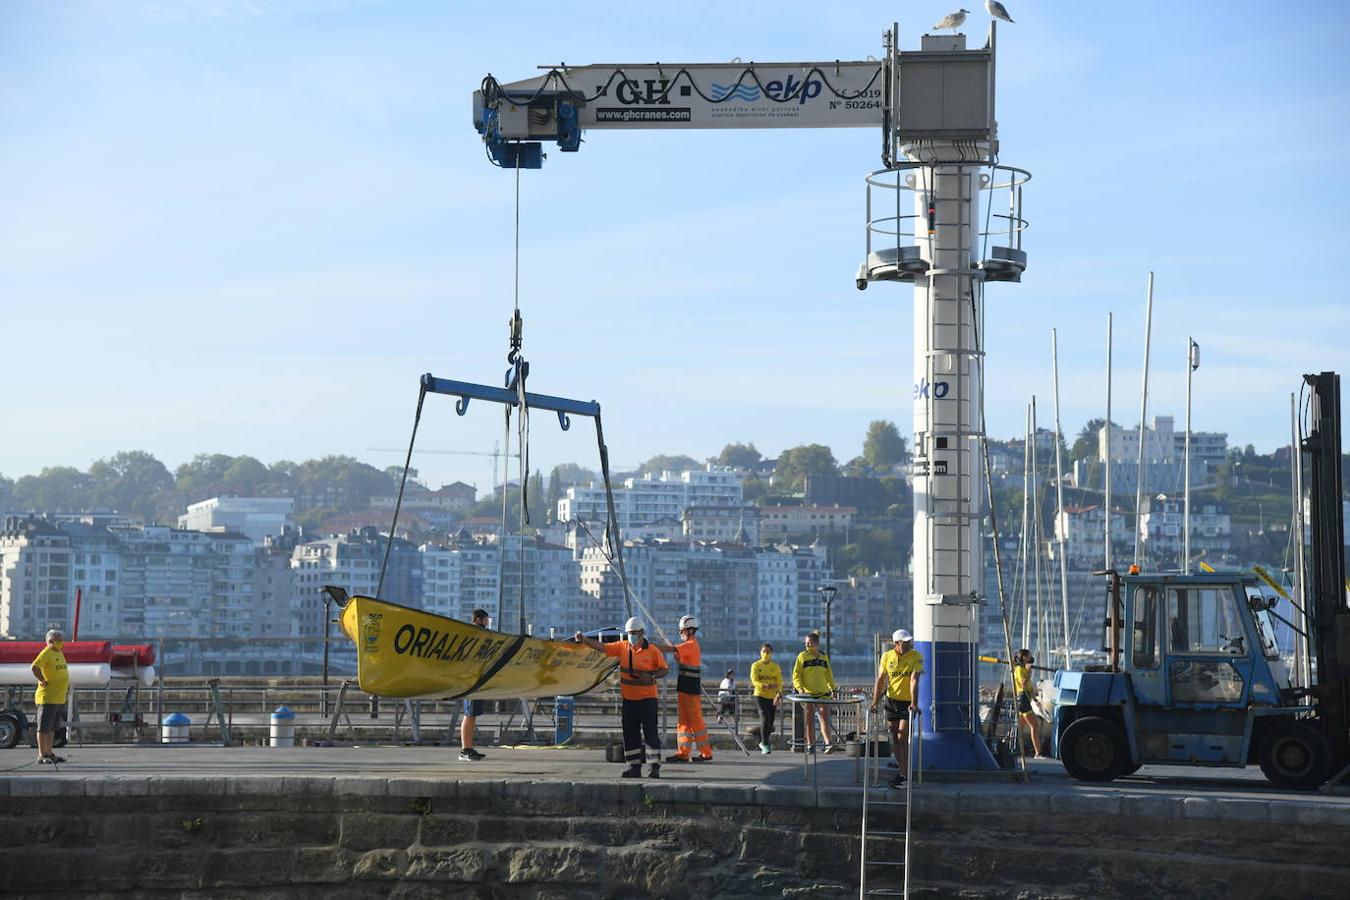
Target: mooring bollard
[(174, 729), (283, 727)]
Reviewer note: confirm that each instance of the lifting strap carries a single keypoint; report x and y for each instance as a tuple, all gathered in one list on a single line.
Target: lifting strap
[(402, 483)]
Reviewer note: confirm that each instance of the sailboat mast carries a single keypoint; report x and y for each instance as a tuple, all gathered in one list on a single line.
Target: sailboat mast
[(1106, 502), (1061, 519), (1027, 540), (1037, 533), (1143, 423)]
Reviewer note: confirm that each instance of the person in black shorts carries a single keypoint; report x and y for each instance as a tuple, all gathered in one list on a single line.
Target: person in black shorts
[(472, 708), (898, 684)]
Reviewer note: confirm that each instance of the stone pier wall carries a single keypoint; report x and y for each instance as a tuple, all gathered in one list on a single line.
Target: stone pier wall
[(333, 837)]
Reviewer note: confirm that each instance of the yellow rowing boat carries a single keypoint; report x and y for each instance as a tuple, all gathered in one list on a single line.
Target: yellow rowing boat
[(408, 653)]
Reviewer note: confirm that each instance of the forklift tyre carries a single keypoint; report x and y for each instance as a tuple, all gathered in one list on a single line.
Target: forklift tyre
[(1295, 755), (1094, 749), (11, 730)]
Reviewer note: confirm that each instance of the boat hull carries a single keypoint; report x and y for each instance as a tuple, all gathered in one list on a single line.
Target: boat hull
[(408, 653)]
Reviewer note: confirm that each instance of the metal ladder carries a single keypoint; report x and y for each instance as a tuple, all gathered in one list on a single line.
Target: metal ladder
[(871, 776)]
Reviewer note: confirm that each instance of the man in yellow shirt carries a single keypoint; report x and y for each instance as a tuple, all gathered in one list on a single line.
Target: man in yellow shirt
[(812, 675), (53, 684), (898, 679), (766, 677)]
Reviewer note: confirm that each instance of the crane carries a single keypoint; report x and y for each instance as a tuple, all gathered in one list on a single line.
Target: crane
[(934, 110), (495, 453)]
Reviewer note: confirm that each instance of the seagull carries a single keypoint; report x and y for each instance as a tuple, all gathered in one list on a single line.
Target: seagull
[(952, 20), (997, 10)]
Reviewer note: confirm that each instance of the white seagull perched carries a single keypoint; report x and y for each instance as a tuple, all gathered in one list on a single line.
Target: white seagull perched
[(997, 10), (952, 20)]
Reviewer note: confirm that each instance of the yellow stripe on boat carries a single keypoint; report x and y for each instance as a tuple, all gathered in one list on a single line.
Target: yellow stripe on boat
[(408, 653)]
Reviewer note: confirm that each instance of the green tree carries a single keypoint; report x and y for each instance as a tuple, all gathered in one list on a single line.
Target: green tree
[(795, 463), (537, 501), (203, 477), (395, 473), (561, 478), (753, 489), (245, 477), (883, 447), (739, 456), (54, 489), (281, 475), (1086, 444), (132, 482), (666, 463)]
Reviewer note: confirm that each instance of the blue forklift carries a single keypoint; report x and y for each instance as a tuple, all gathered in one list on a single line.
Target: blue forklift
[(1194, 674)]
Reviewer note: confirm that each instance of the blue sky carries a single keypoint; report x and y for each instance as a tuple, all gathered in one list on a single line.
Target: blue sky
[(248, 227)]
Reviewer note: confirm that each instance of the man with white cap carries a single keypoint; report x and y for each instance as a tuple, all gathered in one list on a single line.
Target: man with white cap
[(898, 681), (693, 730), (53, 681), (641, 667)]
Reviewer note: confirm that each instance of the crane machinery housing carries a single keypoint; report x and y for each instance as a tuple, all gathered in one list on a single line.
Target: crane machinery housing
[(931, 223)]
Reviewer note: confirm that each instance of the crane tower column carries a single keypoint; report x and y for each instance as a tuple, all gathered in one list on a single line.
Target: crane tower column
[(946, 140), (948, 475)]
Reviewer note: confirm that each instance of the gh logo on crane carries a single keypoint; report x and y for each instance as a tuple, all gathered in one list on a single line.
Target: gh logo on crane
[(650, 92)]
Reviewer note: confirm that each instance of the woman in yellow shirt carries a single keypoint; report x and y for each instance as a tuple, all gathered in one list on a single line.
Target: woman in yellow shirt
[(766, 677), (1023, 690)]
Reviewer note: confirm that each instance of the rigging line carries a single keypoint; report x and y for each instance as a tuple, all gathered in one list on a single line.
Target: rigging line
[(403, 482), (623, 580), (501, 532), (517, 284), (523, 471), (993, 513), (612, 517)]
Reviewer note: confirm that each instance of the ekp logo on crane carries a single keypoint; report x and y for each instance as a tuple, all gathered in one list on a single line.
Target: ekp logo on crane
[(658, 91), (787, 89)]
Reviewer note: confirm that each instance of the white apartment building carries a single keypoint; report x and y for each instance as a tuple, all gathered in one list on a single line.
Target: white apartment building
[(442, 569), (737, 523), (35, 591), (255, 517), (549, 586), (451, 498), (641, 501), (185, 584), (1163, 444), (1083, 529), (782, 523), (1162, 526), (348, 561), (776, 596)]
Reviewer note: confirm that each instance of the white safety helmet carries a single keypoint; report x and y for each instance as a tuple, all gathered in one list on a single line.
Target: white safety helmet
[(901, 636), (633, 624), (688, 622)]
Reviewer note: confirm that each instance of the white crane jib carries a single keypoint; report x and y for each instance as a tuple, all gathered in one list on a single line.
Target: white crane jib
[(934, 108)]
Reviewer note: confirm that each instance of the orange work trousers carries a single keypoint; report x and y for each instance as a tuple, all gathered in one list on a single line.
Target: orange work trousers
[(692, 729)]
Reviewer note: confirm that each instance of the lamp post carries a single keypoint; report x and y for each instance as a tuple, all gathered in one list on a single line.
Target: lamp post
[(827, 592)]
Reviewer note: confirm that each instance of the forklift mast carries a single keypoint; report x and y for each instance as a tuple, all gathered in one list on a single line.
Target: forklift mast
[(1328, 614)]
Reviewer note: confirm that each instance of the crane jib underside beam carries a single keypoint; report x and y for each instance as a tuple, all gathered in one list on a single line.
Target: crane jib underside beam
[(468, 391)]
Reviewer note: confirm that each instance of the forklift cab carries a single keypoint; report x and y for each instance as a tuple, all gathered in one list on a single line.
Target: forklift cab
[(1202, 641), (1194, 677)]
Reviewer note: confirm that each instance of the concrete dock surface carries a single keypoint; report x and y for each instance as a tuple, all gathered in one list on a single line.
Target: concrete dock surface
[(93, 763)]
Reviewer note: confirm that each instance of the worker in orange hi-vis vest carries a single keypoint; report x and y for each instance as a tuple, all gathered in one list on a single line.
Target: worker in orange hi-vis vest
[(641, 666), (693, 730)]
